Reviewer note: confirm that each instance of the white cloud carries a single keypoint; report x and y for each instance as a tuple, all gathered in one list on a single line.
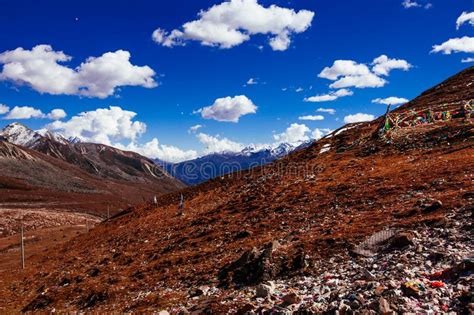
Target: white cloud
[(229, 109), (318, 133), (233, 22), (343, 68), (464, 44), (359, 117), (330, 96), (311, 117), (252, 81), (465, 17), (103, 125), (4, 109), (367, 81), (392, 100), (348, 73), (294, 134), (298, 90), (153, 149), (326, 110), (194, 128), (217, 144), (40, 69), (467, 60), (56, 114), (382, 65), (28, 112), (407, 4), (24, 112)]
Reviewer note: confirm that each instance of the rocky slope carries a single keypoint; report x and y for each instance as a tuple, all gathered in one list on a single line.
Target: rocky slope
[(359, 221)]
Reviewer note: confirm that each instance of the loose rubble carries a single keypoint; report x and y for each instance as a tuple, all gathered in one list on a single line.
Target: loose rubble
[(432, 273)]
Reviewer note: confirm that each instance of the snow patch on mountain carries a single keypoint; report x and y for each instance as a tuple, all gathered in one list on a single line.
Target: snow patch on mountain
[(19, 134)]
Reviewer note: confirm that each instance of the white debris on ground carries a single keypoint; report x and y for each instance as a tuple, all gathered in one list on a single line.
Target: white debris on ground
[(434, 275), (325, 148), (345, 129)]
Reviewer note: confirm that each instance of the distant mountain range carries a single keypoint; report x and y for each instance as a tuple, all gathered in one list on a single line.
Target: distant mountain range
[(111, 163), (199, 170)]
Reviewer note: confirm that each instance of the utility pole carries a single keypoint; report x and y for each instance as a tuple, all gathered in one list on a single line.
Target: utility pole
[(22, 248)]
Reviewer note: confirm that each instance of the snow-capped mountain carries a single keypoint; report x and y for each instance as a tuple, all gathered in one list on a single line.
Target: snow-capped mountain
[(97, 159), (199, 170), (21, 135)]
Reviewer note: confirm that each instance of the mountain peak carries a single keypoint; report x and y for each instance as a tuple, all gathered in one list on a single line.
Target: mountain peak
[(19, 134)]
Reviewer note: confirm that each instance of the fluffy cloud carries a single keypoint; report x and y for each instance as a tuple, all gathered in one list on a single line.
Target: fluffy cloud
[(467, 60), (229, 109), (348, 73), (294, 134), (359, 117), (326, 110), (297, 133), (330, 96), (252, 81), (24, 112), (343, 68), (311, 117), (392, 100), (40, 69), (194, 128), (233, 22), (383, 65), (464, 44), (407, 4), (218, 144), (28, 112), (317, 133), (4, 109), (153, 149), (56, 114), (465, 17), (103, 125)]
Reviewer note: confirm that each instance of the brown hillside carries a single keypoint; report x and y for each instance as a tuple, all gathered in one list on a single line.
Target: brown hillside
[(296, 219)]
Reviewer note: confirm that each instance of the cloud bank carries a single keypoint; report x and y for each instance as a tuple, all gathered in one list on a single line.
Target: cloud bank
[(233, 22), (41, 69)]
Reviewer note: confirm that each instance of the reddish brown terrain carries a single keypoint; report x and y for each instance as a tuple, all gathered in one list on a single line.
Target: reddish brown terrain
[(38, 184), (290, 235)]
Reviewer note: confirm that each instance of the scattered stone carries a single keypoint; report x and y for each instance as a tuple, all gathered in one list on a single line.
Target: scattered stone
[(411, 288), (379, 290), (246, 309), (253, 267), (400, 241), (264, 290), (429, 204), (94, 272), (40, 302), (242, 234), (291, 298), (384, 306)]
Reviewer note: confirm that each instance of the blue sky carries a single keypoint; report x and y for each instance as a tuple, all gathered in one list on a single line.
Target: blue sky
[(193, 76)]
